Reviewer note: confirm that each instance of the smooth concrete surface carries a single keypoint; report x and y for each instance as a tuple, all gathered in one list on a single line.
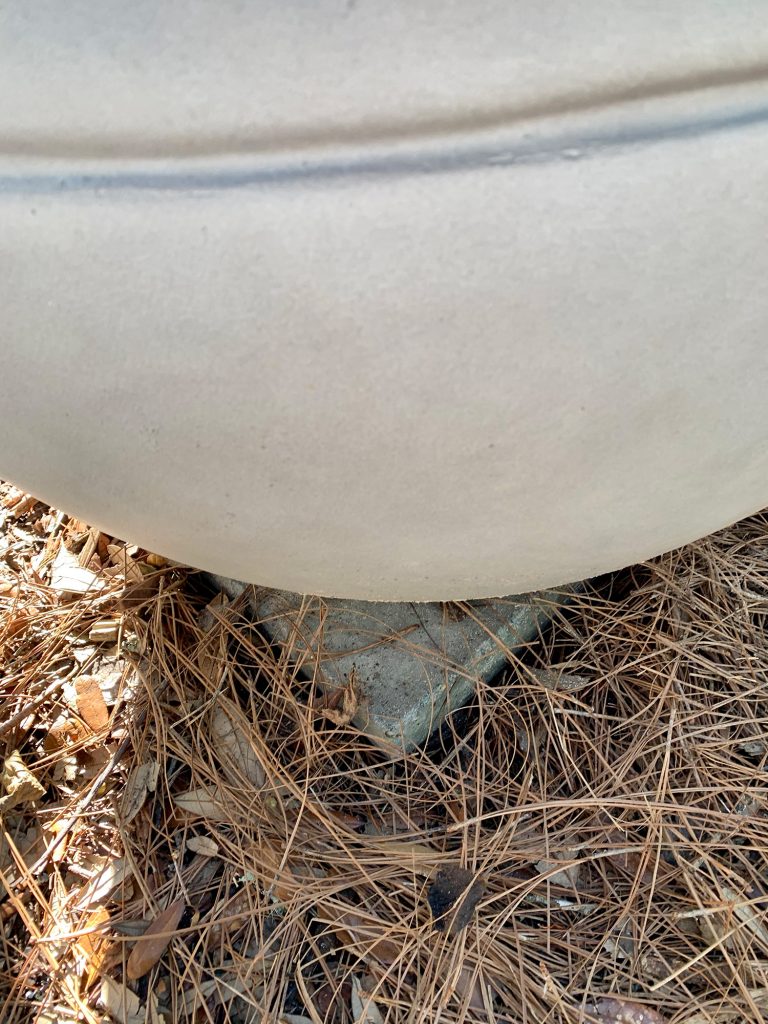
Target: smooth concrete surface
[(410, 664), (413, 301)]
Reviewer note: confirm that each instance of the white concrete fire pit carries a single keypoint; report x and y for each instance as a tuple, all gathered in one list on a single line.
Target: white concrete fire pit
[(405, 301)]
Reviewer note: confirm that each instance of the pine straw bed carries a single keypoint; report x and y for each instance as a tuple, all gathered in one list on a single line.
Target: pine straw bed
[(607, 793)]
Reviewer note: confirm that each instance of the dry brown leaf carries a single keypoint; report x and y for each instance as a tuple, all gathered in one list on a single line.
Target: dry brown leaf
[(341, 706), (469, 984), (111, 873), (233, 745), (19, 783), (731, 1014), (203, 845), (750, 914), (90, 703), (17, 624), (69, 577), (221, 990), (13, 497), (559, 681), (204, 802), (453, 896), (153, 1005), (122, 1004), (614, 1010), (141, 781), (23, 505), (228, 914), (155, 940), (567, 876), (94, 945), (364, 1010), (278, 875), (367, 935), (65, 731)]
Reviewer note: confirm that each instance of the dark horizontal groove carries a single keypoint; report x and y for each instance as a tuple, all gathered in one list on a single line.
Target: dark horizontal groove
[(506, 117), (471, 154)]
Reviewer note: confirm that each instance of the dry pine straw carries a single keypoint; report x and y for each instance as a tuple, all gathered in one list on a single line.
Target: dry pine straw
[(178, 779)]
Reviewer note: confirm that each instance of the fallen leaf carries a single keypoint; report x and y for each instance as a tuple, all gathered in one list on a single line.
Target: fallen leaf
[(233, 745), (65, 731), (364, 1010), (90, 703), (731, 1014), (567, 875), (469, 984), (94, 945), (17, 625), (122, 1004), (559, 681), (24, 505), (13, 497), (69, 577), (60, 851), (111, 874), (347, 697), (153, 1004), (219, 990), (453, 896), (753, 748), (614, 1010), (750, 913), (202, 845), (278, 875), (367, 936), (141, 781), (155, 940), (19, 783), (329, 998), (205, 802)]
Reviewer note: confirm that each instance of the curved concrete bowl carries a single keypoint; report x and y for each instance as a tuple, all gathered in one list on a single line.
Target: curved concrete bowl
[(416, 300)]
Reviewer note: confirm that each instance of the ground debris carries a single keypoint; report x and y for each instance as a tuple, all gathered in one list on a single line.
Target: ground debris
[(453, 896), (141, 781), (69, 577), (609, 788), (155, 940), (615, 1010), (18, 782)]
